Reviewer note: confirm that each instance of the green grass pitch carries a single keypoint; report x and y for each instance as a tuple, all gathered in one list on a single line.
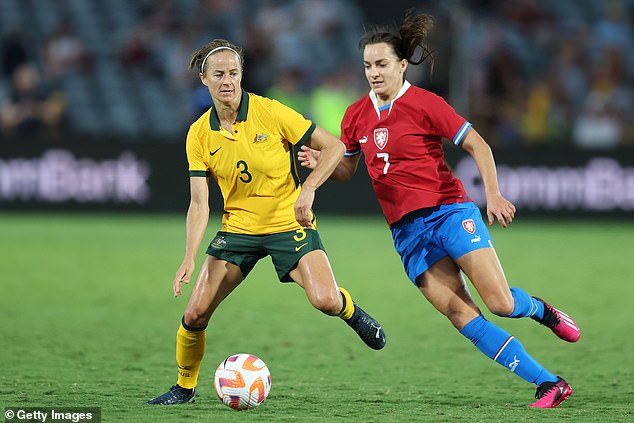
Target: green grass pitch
[(88, 319)]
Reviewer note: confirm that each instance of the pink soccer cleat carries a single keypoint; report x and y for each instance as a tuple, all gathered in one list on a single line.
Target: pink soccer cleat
[(551, 394), (559, 322)]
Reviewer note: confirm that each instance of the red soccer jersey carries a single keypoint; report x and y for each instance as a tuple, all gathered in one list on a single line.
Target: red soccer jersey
[(403, 149)]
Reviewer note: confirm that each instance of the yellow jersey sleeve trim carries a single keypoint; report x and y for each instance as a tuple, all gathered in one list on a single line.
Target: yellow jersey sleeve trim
[(204, 173), (306, 135)]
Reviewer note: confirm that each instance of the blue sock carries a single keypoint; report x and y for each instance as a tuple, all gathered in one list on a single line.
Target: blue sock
[(525, 305), (504, 349)]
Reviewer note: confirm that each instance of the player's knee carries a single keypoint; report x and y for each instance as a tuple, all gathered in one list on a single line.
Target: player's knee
[(328, 302), (195, 318), (501, 306)]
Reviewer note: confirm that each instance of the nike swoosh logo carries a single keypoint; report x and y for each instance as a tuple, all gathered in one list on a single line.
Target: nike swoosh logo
[(301, 246), (215, 151)]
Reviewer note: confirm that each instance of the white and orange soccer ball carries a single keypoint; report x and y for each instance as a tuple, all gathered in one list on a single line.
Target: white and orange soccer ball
[(242, 381)]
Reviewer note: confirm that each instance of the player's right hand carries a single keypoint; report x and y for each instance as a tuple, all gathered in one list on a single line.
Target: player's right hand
[(307, 157), (304, 205), (183, 274)]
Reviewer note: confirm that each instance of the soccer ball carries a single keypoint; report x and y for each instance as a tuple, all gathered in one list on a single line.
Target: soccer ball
[(242, 381)]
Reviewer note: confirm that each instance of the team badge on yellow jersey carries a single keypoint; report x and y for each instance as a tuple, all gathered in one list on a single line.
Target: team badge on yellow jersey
[(260, 138)]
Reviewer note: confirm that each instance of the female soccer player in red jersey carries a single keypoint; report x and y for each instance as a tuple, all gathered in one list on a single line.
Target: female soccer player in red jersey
[(437, 230)]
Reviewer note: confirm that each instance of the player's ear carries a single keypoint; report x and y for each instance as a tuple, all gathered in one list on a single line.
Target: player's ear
[(404, 64), (202, 79)]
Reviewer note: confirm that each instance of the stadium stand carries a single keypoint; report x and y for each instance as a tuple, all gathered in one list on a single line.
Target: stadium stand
[(526, 72)]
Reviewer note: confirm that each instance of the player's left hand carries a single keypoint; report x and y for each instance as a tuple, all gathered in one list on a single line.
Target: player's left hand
[(501, 209), (307, 157), (303, 206)]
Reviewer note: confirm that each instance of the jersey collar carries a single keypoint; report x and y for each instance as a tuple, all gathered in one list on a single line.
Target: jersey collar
[(243, 110), (375, 100)]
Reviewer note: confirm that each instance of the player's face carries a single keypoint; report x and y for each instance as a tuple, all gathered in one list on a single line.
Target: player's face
[(223, 76), (383, 70)]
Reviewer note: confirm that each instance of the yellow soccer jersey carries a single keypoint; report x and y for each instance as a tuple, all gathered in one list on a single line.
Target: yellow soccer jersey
[(254, 166)]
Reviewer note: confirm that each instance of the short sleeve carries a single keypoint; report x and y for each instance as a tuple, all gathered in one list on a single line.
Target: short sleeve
[(194, 149), (445, 121), (347, 136), (293, 127)]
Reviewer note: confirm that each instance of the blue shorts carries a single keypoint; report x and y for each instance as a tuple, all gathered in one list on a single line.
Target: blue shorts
[(425, 236)]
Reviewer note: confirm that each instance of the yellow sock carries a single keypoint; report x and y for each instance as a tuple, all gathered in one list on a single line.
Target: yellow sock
[(348, 306), (190, 348)]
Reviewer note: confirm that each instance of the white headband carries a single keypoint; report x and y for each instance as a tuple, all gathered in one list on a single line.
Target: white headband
[(202, 67)]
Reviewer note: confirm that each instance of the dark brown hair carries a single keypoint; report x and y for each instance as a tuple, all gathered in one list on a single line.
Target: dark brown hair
[(198, 57), (404, 39)]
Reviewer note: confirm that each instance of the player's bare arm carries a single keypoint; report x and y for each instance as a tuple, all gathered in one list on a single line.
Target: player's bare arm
[(197, 219), (331, 151), (345, 170), (498, 207)]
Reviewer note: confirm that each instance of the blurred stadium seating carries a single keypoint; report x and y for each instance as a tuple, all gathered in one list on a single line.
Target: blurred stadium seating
[(526, 72)]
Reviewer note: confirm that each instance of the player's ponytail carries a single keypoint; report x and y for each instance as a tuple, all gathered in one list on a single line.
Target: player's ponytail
[(413, 31), (404, 40)]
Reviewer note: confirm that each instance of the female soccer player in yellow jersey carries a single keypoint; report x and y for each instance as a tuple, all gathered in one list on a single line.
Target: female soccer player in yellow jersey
[(247, 143)]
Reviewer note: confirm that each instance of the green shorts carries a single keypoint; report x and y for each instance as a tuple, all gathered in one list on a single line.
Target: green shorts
[(285, 248)]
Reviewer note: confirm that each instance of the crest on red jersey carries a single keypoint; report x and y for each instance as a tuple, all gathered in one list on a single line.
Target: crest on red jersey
[(469, 225), (380, 137)]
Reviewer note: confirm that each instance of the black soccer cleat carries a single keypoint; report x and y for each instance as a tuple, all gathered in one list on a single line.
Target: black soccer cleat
[(368, 329), (175, 395)]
